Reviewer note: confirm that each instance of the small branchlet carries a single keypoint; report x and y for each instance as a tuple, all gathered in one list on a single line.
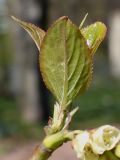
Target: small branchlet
[(66, 60)]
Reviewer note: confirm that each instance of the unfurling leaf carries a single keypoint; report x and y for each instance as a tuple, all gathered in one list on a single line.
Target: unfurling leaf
[(94, 35), (65, 61), (35, 32)]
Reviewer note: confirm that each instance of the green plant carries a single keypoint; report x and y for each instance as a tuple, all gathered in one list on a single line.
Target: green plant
[(66, 55)]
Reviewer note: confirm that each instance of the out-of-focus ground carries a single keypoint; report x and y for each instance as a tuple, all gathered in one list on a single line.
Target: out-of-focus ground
[(24, 152)]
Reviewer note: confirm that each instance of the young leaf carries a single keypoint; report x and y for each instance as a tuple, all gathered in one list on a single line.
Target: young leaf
[(65, 61), (35, 32), (94, 35)]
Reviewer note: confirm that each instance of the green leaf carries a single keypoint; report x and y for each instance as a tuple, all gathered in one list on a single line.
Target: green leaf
[(35, 32), (94, 35), (65, 61)]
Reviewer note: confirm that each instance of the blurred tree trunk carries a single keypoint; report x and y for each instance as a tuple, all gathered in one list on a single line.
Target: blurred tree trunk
[(24, 82), (114, 43)]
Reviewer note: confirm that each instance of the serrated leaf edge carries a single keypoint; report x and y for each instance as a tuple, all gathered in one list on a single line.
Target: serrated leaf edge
[(24, 24), (41, 64)]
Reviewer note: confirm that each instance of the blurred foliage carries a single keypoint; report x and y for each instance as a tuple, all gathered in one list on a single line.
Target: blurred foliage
[(5, 62), (5, 56), (8, 116), (11, 122), (99, 105)]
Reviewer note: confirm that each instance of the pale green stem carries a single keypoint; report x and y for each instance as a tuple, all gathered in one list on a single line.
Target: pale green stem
[(54, 139), (51, 143)]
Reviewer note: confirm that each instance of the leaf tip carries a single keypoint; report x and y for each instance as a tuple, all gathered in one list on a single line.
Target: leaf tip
[(14, 18), (64, 17)]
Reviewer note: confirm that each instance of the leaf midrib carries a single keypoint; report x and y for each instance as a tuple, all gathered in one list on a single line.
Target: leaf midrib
[(65, 85)]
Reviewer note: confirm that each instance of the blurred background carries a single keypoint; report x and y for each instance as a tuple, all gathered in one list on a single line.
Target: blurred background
[(25, 103)]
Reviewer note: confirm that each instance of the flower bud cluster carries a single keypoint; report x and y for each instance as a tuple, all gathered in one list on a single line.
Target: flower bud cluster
[(91, 145)]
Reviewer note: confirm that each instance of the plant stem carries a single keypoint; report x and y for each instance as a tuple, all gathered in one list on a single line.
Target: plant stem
[(51, 143), (41, 153)]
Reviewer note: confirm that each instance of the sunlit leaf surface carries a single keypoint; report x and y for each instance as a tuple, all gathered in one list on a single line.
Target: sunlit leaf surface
[(65, 61)]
